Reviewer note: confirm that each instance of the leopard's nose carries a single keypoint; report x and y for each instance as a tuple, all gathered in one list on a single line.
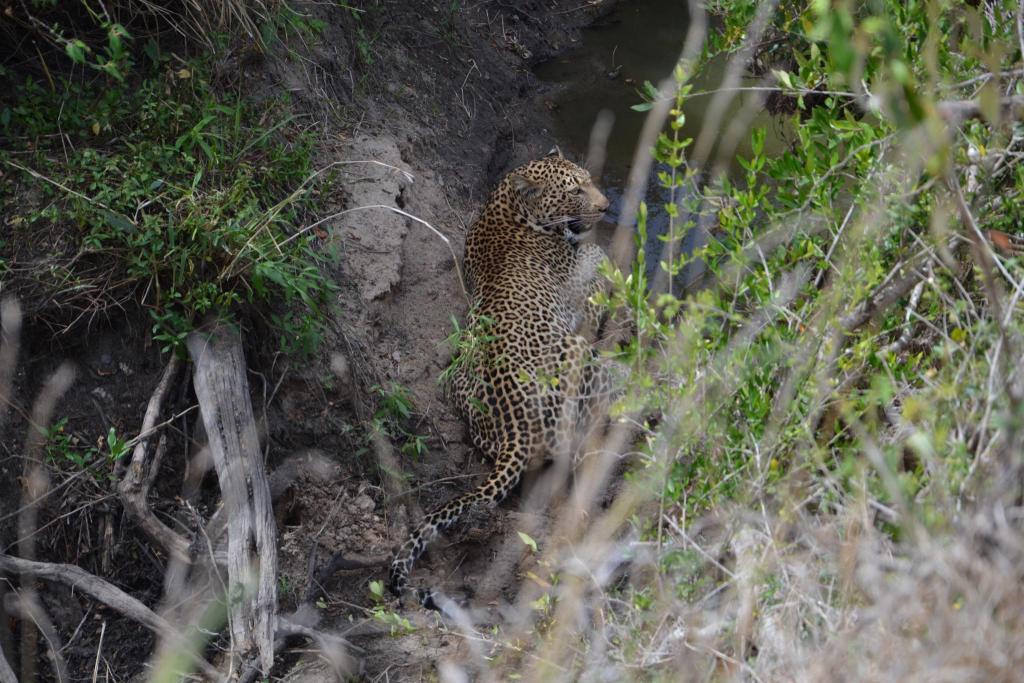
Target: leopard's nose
[(602, 203)]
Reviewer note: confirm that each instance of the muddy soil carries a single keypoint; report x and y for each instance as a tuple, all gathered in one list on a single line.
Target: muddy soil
[(422, 106)]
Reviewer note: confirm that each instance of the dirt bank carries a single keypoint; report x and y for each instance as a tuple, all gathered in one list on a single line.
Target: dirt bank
[(421, 107), (450, 104)]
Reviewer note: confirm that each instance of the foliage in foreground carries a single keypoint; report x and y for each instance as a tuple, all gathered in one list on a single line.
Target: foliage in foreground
[(830, 487)]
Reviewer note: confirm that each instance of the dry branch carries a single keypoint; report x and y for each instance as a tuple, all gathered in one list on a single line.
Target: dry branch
[(958, 111), (6, 672), (26, 605), (101, 590), (35, 485), (223, 393), (134, 487), (908, 275)]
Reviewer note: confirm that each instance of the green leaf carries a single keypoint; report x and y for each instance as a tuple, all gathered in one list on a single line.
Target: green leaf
[(112, 69), (152, 50), (530, 543), (783, 77), (643, 106), (76, 50), (119, 222)]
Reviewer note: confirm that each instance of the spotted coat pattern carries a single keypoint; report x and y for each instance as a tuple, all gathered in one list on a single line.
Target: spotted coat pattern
[(527, 389)]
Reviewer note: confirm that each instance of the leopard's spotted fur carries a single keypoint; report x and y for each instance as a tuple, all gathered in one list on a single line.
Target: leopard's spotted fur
[(528, 389)]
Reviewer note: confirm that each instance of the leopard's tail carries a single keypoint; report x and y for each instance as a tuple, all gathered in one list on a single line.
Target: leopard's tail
[(506, 474)]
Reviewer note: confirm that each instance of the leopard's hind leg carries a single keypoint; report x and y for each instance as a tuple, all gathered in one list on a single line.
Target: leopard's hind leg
[(508, 469)]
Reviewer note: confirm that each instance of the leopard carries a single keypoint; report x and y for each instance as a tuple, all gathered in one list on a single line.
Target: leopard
[(531, 387)]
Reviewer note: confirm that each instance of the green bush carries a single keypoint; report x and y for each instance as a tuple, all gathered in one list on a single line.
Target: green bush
[(774, 376), (831, 422), (190, 198)]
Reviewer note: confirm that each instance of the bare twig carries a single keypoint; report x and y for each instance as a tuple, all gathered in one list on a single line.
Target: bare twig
[(99, 650), (908, 329), (134, 487), (65, 188)]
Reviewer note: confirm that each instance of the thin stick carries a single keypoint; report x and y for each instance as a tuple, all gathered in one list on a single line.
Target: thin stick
[(99, 649), (408, 215)]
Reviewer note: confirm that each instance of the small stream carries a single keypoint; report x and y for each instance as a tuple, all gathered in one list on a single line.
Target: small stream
[(637, 41)]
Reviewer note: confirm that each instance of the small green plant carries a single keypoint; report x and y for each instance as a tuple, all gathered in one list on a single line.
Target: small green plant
[(364, 38), (449, 29), (394, 410), (112, 58), (285, 22), (470, 346), (415, 446), (465, 343), (64, 447), (117, 447), (396, 623), (394, 404), (528, 541)]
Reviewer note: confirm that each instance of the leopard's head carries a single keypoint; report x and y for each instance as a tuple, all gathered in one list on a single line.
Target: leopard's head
[(556, 196)]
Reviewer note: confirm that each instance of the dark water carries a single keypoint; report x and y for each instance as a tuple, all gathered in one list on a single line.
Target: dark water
[(638, 41)]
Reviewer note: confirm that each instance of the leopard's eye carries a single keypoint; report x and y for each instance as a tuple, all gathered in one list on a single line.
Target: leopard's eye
[(578, 189)]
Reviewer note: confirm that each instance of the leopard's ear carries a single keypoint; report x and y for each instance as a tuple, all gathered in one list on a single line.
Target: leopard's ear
[(554, 152), (524, 187)]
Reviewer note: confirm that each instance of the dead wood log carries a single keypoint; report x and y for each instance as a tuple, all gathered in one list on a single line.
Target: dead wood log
[(219, 378), (10, 334), (10, 337)]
